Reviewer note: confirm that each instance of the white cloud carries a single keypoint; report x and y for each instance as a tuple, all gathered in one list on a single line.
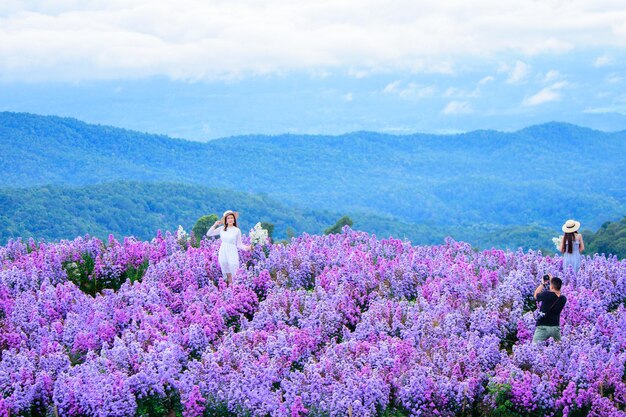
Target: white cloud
[(397, 129), (454, 92), (611, 109), (614, 78), (196, 39), (518, 73), (602, 61), (619, 29), (457, 107), (450, 92), (358, 74), (392, 87), (546, 95), (486, 80), (409, 91), (319, 74), (551, 76)]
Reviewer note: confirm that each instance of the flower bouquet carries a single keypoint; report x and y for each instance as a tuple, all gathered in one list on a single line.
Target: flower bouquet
[(258, 235), (557, 242), (182, 236)]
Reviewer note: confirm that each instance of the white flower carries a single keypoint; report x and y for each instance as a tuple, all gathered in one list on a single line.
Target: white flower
[(258, 235), (181, 235), (557, 242)]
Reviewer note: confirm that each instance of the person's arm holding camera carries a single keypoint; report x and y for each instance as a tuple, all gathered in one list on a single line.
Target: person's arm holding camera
[(544, 286)]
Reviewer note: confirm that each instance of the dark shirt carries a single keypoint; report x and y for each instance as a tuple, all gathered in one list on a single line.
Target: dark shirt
[(553, 315)]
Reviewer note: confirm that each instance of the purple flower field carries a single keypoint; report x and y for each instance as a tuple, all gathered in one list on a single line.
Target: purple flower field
[(339, 325)]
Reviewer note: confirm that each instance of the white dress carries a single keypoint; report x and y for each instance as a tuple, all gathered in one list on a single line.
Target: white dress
[(572, 259), (228, 255)]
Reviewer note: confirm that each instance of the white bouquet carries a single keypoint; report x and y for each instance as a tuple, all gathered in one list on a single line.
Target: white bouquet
[(258, 235), (181, 235), (557, 242)]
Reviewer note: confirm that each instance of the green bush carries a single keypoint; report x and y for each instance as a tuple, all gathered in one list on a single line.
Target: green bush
[(336, 228), (82, 274), (203, 224), (155, 406)]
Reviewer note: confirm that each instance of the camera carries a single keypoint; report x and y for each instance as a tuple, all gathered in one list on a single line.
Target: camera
[(546, 282)]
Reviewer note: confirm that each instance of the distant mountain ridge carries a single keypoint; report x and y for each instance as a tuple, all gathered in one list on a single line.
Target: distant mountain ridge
[(541, 174)]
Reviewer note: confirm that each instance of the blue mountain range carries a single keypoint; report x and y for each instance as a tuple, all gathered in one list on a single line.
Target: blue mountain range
[(537, 176)]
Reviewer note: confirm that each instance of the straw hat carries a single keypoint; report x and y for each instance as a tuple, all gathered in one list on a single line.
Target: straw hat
[(226, 213), (570, 226)]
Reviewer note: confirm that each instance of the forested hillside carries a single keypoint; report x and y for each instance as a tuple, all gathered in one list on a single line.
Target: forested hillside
[(542, 174), (139, 209), (609, 239)]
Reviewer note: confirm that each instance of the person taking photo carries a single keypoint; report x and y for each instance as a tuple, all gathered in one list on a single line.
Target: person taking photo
[(549, 315)]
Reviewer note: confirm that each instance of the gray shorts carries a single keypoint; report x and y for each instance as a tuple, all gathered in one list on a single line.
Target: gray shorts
[(545, 332)]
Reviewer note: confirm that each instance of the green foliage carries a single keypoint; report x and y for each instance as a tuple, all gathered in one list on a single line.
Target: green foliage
[(394, 412), (504, 406), (314, 412), (217, 408), (203, 224), (580, 411), (609, 239), (36, 410), (82, 274), (221, 410), (75, 357), (336, 228), (156, 406), (133, 274)]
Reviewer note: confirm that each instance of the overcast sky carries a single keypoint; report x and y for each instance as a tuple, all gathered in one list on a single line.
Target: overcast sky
[(448, 58)]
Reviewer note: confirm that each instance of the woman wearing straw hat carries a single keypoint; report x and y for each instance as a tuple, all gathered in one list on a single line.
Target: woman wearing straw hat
[(572, 245), (230, 235)]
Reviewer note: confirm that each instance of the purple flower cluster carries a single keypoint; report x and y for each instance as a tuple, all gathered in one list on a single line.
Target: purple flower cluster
[(338, 325)]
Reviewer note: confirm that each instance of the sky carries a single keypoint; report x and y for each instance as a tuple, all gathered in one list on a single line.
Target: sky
[(207, 69)]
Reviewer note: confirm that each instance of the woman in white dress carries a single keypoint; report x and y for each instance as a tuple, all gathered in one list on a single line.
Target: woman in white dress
[(230, 235)]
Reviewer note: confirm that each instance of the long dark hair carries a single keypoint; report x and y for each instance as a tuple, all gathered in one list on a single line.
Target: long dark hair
[(226, 221), (568, 241)]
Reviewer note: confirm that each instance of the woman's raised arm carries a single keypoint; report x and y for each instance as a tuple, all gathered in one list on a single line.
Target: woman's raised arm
[(214, 230)]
